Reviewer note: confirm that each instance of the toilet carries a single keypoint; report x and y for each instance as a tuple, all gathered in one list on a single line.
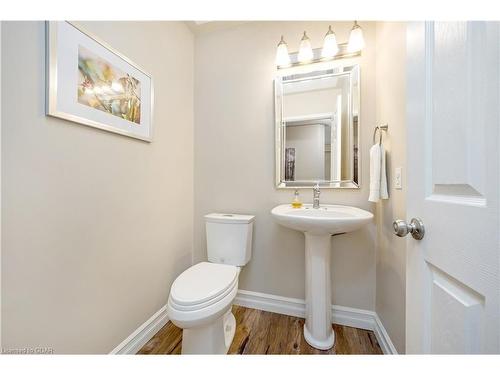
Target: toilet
[(201, 297)]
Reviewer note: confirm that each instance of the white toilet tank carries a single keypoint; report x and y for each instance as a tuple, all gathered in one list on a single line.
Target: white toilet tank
[(229, 238)]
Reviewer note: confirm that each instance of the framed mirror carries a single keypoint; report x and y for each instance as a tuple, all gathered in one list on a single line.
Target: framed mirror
[(317, 128)]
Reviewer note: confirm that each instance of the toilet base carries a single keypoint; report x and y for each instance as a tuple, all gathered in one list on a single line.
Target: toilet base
[(215, 338)]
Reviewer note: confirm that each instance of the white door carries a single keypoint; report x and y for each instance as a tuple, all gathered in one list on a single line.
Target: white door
[(452, 288)]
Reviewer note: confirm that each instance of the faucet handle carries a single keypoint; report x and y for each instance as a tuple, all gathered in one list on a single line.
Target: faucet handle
[(316, 190), (316, 193)]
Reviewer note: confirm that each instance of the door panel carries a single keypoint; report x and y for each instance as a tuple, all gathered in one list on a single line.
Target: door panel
[(454, 305), (453, 186)]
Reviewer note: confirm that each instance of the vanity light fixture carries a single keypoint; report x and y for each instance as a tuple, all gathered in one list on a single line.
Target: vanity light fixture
[(305, 50), (331, 50), (330, 46), (282, 56), (356, 40)]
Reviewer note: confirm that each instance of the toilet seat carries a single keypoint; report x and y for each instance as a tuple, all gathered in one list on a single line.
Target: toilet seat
[(202, 294), (203, 285)]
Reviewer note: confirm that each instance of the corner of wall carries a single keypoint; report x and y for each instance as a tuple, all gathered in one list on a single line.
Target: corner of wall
[(391, 108)]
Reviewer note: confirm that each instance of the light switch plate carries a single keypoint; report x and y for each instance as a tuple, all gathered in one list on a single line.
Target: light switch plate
[(398, 178)]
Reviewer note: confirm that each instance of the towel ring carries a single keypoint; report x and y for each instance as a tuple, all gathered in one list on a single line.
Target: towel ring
[(379, 128)]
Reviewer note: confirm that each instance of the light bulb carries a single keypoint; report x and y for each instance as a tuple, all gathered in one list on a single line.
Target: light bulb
[(330, 47), (356, 40), (305, 50), (282, 56)]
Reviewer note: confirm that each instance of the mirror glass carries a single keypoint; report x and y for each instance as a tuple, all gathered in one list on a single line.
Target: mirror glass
[(317, 128)]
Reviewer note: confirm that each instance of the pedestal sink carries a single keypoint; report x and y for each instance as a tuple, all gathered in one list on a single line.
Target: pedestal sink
[(318, 225)]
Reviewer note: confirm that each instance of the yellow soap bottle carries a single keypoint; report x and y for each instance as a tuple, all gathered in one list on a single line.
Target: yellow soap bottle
[(296, 203)]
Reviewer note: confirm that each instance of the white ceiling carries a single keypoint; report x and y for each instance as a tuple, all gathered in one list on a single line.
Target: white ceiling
[(201, 27)]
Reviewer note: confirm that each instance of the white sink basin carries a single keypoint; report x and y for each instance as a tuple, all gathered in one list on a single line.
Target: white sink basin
[(318, 225), (328, 219)]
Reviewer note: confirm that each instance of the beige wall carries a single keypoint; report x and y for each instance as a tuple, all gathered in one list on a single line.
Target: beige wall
[(95, 225), (391, 109), (234, 158)]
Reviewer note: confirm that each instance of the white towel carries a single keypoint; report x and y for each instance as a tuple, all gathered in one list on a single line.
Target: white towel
[(378, 177)]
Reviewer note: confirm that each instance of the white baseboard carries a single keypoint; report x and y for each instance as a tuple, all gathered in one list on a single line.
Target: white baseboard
[(383, 337), (136, 340), (271, 303), (347, 316)]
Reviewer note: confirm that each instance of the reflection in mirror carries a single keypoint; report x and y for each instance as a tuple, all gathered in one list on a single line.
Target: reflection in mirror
[(317, 128)]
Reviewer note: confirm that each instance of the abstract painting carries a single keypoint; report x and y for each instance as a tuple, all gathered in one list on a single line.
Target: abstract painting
[(107, 88), (92, 84)]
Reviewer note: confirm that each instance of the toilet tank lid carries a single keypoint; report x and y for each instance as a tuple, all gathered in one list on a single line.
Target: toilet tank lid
[(229, 218)]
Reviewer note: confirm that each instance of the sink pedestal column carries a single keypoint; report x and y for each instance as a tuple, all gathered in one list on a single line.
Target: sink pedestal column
[(318, 330)]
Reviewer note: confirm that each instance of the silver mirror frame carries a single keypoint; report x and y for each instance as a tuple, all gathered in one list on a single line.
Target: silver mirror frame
[(280, 134)]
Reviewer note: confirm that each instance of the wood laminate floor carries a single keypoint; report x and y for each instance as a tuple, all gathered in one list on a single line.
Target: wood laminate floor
[(262, 332)]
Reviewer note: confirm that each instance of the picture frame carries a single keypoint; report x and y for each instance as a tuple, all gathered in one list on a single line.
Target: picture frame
[(90, 83)]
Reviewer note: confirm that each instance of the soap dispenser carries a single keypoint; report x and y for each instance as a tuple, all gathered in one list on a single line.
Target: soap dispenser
[(296, 203)]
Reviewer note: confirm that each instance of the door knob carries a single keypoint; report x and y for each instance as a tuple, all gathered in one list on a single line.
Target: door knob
[(416, 228)]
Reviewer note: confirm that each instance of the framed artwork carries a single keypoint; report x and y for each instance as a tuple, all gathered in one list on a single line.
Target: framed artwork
[(90, 83), (290, 164)]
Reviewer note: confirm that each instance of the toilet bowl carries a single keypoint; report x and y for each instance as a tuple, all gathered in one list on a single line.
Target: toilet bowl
[(200, 303), (201, 298)]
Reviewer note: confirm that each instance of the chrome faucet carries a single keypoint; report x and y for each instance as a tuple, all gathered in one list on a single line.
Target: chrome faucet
[(316, 193)]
